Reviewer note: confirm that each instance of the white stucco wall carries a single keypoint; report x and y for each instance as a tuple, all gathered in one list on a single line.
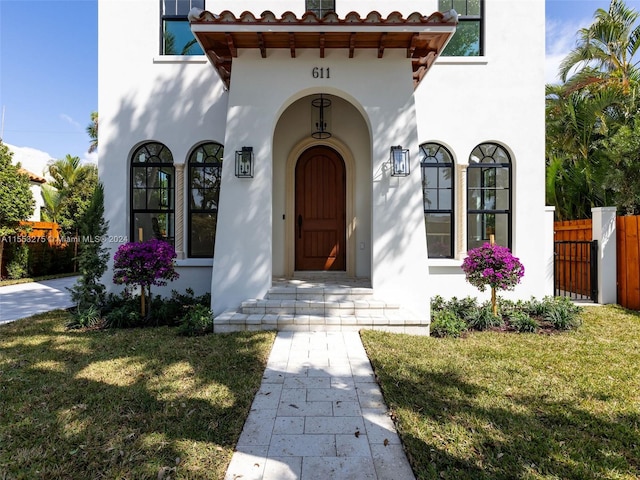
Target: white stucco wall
[(180, 102), (244, 244), (142, 97), (496, 98)]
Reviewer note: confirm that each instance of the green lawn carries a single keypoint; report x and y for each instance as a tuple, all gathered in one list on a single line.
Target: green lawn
[(509, 406), (122, 404)]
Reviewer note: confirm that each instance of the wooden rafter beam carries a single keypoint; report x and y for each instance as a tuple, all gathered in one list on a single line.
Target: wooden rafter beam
[(412, 46), (231, 45), (322, 45), (352, 44), (381, 45), (261, 46), (292, 44)]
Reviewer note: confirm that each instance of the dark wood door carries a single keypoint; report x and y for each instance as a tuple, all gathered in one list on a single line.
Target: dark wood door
[(320, 210)]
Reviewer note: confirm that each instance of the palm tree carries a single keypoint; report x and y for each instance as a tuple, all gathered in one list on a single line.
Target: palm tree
[(576, 167), (92, 131), (65, 172), (605, 51), (52, 203)]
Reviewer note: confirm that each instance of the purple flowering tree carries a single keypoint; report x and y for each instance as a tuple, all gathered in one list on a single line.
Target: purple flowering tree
[(494, 266), (144, 264)]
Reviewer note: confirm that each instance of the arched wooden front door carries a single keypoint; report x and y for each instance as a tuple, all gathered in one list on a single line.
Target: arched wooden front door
[(320, 210)]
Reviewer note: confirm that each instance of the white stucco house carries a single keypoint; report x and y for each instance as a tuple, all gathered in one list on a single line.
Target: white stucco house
[(354, 149)]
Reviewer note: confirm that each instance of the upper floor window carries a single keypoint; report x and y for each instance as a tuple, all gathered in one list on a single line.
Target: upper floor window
[(437, 189), (205, 169), (320, 7), (152, 193), (177, 38), (468, 41), (489, 196)]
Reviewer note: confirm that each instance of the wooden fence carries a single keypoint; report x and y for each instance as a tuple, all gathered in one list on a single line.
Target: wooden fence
[(627, 263), (627, 254)]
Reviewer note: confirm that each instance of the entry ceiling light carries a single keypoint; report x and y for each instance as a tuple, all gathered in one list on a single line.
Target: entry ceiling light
[(320, 117), (399, 159), (244, 162)]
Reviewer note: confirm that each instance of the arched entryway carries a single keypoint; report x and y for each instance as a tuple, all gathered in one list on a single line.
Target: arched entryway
[(320, 210)]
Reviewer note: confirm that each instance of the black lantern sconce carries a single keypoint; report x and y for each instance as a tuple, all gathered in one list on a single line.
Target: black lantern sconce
[(244, 162), (320, 117), (399, 158)]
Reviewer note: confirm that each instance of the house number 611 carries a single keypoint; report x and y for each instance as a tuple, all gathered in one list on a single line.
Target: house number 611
[(320, 72)]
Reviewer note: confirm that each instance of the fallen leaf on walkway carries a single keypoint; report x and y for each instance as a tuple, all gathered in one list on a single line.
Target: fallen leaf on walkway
[(357, 434), (386, 442)]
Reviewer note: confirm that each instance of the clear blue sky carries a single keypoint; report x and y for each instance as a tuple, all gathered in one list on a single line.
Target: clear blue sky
[(49, 66)]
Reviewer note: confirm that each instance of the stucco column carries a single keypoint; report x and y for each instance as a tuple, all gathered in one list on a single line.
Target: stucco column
[(603, 229), (179, 211), (549, 250), (460, 250)]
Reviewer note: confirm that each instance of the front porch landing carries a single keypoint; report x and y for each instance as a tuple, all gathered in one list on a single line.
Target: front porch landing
[(321, 301)]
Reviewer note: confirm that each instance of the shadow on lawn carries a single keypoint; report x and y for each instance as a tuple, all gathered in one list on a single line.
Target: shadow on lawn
[(467, 436), (122, 402)]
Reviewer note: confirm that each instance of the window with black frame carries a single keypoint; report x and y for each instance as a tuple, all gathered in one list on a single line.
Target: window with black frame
[(437, 188), (468, 41), (176, 36), (152, 193), (320, 7), (489, 196), (205, 170)]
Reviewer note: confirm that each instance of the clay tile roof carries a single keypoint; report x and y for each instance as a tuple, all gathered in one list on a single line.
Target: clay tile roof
[(32, 176), (423, 37)]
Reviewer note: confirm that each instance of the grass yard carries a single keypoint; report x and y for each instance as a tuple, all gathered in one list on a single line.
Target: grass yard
[(122, 404), (518, 406)]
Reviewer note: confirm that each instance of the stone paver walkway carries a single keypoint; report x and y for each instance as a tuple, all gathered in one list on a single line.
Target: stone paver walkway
[(26, 299), (319, 415)]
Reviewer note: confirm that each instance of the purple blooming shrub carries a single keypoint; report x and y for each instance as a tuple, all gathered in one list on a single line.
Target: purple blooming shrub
[(144, 263), (492, 265)]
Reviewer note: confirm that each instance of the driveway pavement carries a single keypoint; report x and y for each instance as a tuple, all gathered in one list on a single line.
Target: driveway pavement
[(26, 299)]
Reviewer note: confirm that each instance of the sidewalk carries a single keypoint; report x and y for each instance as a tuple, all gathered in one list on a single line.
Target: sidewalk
[(319, 414), (26, 299)]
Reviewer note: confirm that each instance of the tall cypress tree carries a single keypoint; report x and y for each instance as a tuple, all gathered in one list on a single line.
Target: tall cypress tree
[(88, 292)]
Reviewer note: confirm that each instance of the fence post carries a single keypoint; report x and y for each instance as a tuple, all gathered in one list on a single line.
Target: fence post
[(603, 229)]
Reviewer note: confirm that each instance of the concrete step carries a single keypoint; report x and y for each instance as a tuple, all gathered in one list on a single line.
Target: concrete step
[(320, 302), (317, 307), (399, 322)]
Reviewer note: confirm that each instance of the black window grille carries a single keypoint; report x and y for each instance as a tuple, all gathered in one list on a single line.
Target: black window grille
[(468, 41)]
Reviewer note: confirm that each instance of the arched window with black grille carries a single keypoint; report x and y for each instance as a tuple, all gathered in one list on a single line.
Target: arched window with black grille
[(152, 193), (205, 169), (489, 195), (437, 188)]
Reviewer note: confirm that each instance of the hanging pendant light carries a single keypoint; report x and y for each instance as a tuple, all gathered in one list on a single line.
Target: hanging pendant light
[(320, 117)]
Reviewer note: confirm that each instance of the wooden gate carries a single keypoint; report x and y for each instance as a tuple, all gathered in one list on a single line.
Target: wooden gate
[(575, 260)]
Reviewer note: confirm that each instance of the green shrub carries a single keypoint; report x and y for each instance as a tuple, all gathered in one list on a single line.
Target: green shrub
[(18, 265), (483, 318), (463, 307), (197, 321), (123, 317), (123, 310), (523, 322), (445, 323), (562, 314), (88, 317)]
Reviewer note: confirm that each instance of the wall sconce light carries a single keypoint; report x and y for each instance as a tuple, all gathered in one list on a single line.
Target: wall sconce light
[(320, 117), (244, 162), (399, 158)]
